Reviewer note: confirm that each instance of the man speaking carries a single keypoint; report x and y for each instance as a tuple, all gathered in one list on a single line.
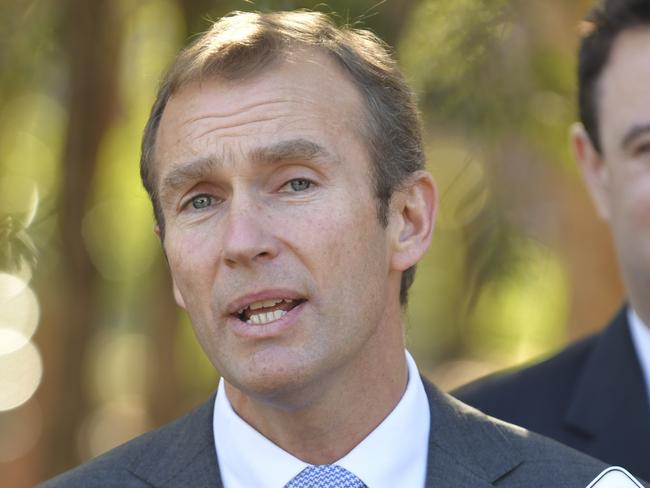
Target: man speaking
[(284, 160)]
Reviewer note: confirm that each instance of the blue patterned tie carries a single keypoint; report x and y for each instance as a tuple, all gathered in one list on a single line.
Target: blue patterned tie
[(325, 476)]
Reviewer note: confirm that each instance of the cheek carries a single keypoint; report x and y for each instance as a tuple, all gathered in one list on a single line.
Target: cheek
[(630, 218), (632, 202), (189, 256), (343, 249)]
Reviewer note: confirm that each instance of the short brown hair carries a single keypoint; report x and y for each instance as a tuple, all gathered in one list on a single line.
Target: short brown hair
[(243, 43)]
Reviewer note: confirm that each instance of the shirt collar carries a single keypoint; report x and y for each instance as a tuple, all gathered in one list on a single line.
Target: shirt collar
[(640, 333), (394, 454)]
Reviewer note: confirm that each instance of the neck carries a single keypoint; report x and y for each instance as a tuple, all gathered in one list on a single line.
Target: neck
[(322, 423)]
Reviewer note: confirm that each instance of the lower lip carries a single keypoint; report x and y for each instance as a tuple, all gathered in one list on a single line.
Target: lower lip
[(265, 331)]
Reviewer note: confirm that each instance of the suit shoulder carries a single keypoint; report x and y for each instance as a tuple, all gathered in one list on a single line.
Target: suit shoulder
[(107, 470), (501, 453), (551, 378), (119, 467), (548, 462), (542, 461)]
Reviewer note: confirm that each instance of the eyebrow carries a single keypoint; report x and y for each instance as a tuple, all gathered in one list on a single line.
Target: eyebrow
[(191, 171), (294, 149), (302, 149), (634, 132)]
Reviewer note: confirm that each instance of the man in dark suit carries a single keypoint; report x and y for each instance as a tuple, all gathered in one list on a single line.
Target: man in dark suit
[(594, 395), (284, 160)]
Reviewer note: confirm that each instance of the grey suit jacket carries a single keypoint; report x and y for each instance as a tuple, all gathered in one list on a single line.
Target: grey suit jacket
[(466, 450)]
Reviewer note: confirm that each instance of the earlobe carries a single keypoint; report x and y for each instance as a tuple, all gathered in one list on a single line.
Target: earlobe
[(414, 217), (593, 168)]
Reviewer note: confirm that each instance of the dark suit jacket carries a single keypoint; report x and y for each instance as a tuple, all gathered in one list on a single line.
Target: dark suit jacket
[(591, 396), (466, 450)]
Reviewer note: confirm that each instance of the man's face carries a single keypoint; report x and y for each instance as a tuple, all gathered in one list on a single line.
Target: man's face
[(271, 231), (619, 177)]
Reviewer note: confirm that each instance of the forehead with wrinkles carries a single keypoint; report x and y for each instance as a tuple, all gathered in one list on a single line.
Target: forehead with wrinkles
[(307, 92)]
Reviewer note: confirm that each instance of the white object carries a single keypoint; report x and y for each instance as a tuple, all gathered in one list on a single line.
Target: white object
[(615, 477)]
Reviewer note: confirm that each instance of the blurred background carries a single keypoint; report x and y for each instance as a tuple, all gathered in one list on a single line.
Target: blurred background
[(93, 350)]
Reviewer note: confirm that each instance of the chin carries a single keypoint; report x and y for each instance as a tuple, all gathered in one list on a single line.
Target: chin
[(285, 386)]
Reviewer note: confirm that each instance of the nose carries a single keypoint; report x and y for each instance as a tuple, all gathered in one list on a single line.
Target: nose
[(247, 237)]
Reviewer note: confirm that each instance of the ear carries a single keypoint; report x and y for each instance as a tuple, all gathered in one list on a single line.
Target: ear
[(593, 168), (161, 238), (413, 210), (177, 295)]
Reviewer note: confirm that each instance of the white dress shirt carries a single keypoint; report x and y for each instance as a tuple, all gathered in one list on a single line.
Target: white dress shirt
[(394, 454), (641, 340)]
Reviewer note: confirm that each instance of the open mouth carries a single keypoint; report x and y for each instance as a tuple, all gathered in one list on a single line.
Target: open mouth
[(266, 311)]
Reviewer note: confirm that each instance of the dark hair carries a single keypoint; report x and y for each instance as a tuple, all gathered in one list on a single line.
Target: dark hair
[(601, 28), (243, 43)]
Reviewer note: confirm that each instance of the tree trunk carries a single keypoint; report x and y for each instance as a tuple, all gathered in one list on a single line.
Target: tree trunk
[(92, 35)]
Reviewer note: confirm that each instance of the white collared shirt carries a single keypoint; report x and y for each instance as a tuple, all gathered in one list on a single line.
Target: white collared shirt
[(640, 333), (394, 454)]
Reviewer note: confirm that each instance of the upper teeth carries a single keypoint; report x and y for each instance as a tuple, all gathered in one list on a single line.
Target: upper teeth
[(265, 304)]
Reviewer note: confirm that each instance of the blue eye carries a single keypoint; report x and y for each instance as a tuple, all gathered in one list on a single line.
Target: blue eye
[(201, 201), (300, 184)]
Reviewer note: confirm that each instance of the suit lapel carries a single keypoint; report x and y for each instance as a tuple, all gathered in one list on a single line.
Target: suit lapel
[(181, 455), (611, 390), (466, 450)]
